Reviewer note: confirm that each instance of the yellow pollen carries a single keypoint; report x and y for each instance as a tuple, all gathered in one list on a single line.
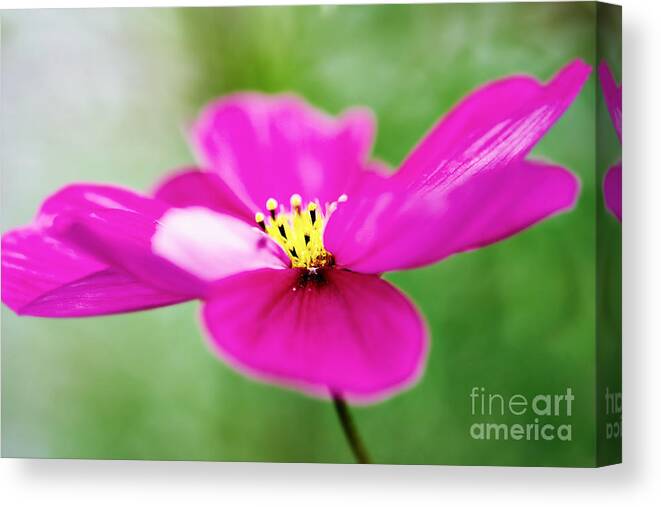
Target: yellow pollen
[(271, 204), (300, 234), (259, 218), (296, 201)]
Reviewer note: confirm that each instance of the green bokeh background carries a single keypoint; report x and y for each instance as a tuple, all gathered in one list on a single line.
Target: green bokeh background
[(105, 95)]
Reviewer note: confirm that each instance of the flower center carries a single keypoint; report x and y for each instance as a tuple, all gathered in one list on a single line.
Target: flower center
[(299, 230)]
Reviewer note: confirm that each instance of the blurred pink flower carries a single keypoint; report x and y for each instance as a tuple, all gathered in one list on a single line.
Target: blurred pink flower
[(292, 293), (613, 179)]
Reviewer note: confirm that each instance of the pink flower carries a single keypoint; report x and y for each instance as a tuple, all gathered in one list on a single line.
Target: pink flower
[(285, 230), (613, 179)]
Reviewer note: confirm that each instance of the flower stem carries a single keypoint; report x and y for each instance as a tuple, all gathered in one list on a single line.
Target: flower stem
[(349, 428)]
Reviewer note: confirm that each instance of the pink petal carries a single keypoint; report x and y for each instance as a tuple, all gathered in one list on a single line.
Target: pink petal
[(114, 226), (79, 198), (612, 96), (425, 228), (493, 126), (212, 245), (345, 332), (613, 190), (373, 177), (275, 146), (102, 293), (122, 239), (180, 251), (33, 264), (42, 276), (192, 187), (397, 223)]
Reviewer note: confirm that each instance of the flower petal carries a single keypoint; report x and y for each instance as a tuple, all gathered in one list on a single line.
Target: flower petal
[(42, 276), (81, 197), (396, 223), (345, 332), (114, 226), (275, 146), (425, 228), (212, 245), (612, 96), (193, 187), (493, 126), (33, 264), (180, 251), (613, 190), (102, 293)]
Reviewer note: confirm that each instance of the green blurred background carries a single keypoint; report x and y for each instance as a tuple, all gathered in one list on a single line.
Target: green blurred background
[(105, 95)]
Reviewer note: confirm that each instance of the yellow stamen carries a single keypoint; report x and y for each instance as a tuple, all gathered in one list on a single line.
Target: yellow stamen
[(296, 201), (299, 234), (259, 218), (272, 205)]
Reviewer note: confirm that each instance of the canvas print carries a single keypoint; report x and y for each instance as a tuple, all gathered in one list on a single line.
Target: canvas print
[(333, 234)]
